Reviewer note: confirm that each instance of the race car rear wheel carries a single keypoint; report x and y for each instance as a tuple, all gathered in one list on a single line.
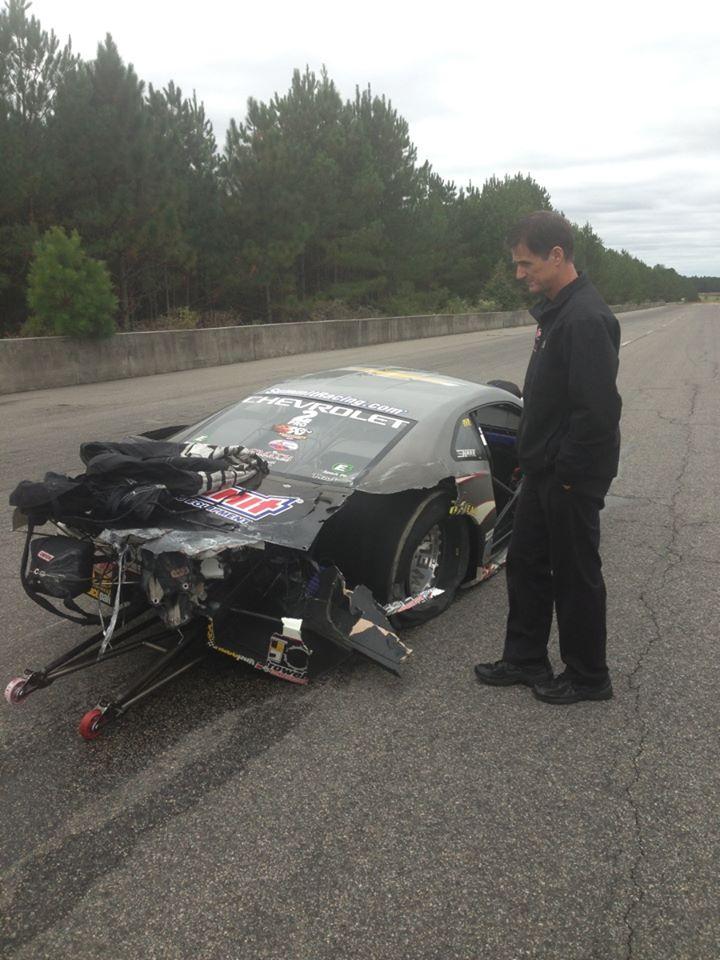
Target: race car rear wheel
[(425, 561), (427, 548)]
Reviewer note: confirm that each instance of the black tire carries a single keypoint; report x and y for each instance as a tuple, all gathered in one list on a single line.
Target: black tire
[(424, 530)]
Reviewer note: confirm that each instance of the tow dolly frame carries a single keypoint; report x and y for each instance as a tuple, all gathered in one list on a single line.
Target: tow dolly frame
[(176, 654)]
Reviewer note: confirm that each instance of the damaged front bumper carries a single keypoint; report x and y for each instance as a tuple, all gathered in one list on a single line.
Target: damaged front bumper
[(249, 591)]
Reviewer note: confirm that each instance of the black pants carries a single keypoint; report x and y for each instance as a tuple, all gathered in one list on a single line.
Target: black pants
[(554, 559)]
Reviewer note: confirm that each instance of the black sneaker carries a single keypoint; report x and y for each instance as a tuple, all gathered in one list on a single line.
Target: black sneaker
[(564, 689), (502, 673)]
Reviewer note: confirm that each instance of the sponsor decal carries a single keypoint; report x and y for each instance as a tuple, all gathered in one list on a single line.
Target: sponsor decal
[(342, 468), (102, 582), (471, 476), (341, 398), (327, 477), (478, 512), (283, 445), (305, 419), (103, 579), (289, 431), (461, 508), (273, 456), (212, 642), (400, 606), (44, 555), (467, 422), (276, 649), (297, 427), (334, 411), (234, 503), (284, 673), (467, 454), (286, 659)]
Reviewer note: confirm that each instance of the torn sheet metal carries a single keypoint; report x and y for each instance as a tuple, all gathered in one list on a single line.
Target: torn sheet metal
[(372, 634), (199, 544), (397, 477), (353, 619)]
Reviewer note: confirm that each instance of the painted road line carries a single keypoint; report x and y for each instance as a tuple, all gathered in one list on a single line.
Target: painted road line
[(626, 342)]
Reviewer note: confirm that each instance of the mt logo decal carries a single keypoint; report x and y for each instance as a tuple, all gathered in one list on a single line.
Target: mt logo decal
[(234, 503)]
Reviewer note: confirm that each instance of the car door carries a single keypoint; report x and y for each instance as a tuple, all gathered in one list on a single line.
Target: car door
[(475, 498), (498, 423)]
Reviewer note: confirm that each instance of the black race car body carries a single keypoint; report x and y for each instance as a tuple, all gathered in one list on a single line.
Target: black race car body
[(362, 499), (329, 437)]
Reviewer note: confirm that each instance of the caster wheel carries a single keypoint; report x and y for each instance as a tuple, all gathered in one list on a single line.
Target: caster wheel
[(14, 691), (91, 725)]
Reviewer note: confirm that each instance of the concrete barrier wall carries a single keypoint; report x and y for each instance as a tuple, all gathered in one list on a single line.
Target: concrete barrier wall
[(37, 363)]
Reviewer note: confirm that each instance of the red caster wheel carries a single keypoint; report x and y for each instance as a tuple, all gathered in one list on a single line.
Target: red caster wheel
[(91, 725), (14, 691)]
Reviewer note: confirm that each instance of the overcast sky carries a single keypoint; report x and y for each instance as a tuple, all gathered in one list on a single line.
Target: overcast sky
[(613, 107)]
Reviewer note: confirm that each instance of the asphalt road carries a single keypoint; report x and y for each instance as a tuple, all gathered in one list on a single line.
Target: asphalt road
[(232, 816)]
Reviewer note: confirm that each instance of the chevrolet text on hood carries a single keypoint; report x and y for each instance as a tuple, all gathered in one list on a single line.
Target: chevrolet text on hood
[(306, 521)]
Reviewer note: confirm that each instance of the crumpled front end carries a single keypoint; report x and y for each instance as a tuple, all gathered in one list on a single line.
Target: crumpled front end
[(270, 606)]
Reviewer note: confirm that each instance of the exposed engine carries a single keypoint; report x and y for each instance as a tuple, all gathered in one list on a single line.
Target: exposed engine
[(174, 585)]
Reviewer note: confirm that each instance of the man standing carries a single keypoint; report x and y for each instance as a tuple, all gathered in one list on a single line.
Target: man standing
[(568, 448)]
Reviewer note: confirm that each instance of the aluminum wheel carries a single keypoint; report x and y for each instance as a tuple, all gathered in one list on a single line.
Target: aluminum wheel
[(425, 561)]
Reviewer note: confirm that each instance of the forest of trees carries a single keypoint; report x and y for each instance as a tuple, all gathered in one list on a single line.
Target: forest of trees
[(707, 284), (316, 206)]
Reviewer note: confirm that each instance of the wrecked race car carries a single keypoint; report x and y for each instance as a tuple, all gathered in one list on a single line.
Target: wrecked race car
[(310, 519)]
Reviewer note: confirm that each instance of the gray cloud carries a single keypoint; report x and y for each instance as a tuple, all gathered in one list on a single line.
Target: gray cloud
[(633, 144)]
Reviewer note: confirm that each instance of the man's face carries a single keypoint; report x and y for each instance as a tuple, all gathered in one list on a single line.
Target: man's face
[(539, 275)]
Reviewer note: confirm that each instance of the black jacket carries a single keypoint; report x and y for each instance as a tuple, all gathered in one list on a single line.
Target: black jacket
[(135, 482), (571, 404)]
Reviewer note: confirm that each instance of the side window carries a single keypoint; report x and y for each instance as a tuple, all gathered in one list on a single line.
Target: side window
[(499, 424), (468, 441), (499, 419)]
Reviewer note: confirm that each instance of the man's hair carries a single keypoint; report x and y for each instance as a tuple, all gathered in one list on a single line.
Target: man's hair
[(541, 231)]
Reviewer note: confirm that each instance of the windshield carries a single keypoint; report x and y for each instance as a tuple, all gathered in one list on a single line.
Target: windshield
[(328, 442)]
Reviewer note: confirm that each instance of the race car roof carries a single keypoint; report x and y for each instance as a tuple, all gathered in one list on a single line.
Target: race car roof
[(414, 393)]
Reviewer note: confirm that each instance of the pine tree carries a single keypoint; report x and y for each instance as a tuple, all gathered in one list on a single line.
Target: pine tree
[(69, 293), (101, 145), (280, 171), (32, 65)]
